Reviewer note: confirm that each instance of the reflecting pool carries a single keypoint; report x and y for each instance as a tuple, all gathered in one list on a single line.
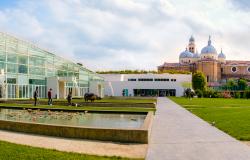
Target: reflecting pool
[(89, 119)]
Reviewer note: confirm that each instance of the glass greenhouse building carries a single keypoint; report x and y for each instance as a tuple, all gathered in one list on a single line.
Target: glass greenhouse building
[(24, 67)]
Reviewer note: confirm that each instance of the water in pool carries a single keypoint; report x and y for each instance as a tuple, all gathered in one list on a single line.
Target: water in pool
[(106, 120)]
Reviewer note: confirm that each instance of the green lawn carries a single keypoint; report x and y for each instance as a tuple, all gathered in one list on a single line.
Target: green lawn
[(10, 151), (230, 115)]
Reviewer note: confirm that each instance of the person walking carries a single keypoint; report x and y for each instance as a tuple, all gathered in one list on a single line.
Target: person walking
[(69, 98), (35, 95), (50, 97)]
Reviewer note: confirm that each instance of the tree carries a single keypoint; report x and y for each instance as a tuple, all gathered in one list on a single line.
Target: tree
[(199, 81), (231, 84), (242, 83)]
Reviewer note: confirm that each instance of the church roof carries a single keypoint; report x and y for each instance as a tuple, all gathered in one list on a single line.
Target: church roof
[(170, 65), (165, 64), (237, 62), (191, 39)]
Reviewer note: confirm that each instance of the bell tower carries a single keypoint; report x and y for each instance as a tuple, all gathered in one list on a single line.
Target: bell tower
[(191, 45)]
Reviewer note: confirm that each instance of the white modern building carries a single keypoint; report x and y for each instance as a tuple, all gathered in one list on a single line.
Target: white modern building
[(146, 84)]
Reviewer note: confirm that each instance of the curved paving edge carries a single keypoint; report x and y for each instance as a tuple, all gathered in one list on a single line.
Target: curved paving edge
[(177, 134)]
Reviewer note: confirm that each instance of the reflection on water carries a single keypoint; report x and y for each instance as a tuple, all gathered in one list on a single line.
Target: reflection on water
[(107, 120)]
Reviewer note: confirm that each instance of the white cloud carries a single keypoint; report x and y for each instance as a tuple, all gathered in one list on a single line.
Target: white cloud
[(128, 34)]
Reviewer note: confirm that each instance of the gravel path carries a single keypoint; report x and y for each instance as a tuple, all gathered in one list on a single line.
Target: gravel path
[(76, 145)]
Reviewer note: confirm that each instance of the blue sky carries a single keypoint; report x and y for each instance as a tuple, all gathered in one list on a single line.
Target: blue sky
[(7, 3), (128, 34)]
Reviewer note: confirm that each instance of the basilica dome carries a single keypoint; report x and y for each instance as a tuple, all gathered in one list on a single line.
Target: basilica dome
[(222, 55), (209, 49), (186, 54)]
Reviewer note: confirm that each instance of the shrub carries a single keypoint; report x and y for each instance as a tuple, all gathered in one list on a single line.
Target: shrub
[(216, 94), (247, 94), (236, 95), (220, 95), (210, 93), (207, 93), (241, 94), (199, 93)]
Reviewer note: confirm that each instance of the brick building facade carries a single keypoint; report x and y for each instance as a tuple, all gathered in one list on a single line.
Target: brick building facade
[(214, 66)]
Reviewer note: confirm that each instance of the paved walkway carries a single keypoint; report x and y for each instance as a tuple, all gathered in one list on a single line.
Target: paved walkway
[(179, 135)]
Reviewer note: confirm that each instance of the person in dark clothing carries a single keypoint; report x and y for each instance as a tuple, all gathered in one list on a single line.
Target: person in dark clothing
[(50, 96), (35, 96), (69, 98)]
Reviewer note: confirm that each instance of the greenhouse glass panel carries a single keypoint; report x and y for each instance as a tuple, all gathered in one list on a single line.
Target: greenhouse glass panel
[(76, 74), (2, 65), (2, 47), (11, 80), (22, 59), (50, 59), (50, 74), (62, 73), (70, 74), (12, 48), (83, 84), (40, 62), (37, 52), (2, 40), (12, 68), (22, 48), (23, 79), (2, 56), (12, 58), (37, 71), (37, 61), (22, 69), (37, 81)]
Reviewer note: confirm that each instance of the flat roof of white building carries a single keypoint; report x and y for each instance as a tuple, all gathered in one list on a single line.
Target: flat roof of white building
[(126, 77)]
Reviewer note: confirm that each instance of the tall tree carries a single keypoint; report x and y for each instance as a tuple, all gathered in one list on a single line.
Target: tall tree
[(231, 84), (199, 81), (242, 83)]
